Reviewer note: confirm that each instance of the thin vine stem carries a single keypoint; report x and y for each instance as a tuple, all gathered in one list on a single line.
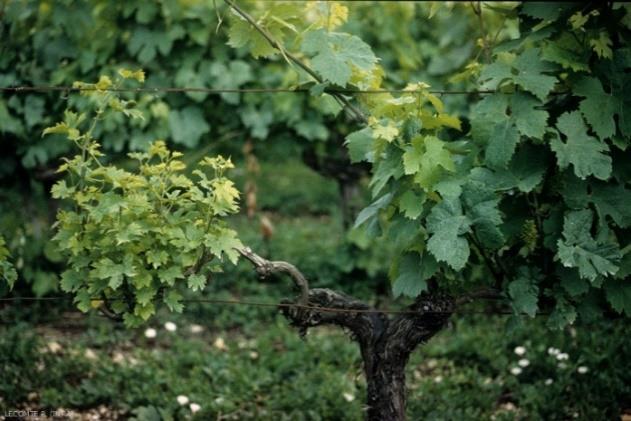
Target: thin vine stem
[(276, 44)]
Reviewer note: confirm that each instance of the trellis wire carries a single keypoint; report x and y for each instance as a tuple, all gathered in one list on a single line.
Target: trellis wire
[(276, 305), (170, 89)]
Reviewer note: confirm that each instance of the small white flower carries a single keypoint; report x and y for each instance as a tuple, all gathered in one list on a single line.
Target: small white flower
[(582, 369), (170, 326), (562, 356), (548, 382), (553, 351), (196, 329), (349, 397), (220, 344), (516, 371), (562, 366), (182, 400), (523, 362), (520, 350), (438, 379), (90, 355), (151, 333), (54, 347), (508, 406), (118, 357), (195, 407), (254, 355)]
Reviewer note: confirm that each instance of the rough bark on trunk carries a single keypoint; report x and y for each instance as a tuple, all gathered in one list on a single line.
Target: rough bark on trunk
[(385, 342), (385, 398)]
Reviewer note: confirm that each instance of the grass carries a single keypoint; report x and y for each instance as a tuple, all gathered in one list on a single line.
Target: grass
[(263, 370)]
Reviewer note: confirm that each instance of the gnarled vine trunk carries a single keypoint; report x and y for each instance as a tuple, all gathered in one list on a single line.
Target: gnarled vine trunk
[(385, 342), (385, 396)]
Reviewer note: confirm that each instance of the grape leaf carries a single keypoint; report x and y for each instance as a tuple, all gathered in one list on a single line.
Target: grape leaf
[(618, 293), (8, 273), (157, 258), (523, 292), (243, 34), (502, 145), (277, 19), (413, 272), (411, 204), (389, 166), (481, 206), (564, 313), (145, 43), (82, 299), (129, 233), (359, 145), (524, 172), (610, 200), (105, 268), (71, 280), (224, 241), (613, 201), (530, 68), (144, 295), (335, 54), (486, 114), (530, 121), (233, 75), (173, 300), (402, 233), (547, 11), (565, 51), (581, 150), (170, 274), (447, 225), (426, 158), (196, 282), (187, 126), (144, 311), (572, 282), (185, 77), (578, 249), (372, 210), (602, 45), (527, 71), (598, 107), (60, 190), (492, 75)]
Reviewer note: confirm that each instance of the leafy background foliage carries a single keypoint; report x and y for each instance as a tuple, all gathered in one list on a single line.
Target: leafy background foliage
[(549, 100), (177, 44), (525, 189), (463, 207), (549, 80)]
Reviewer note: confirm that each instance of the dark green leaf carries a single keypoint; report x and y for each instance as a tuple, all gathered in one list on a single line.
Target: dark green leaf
[(413, 272)]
